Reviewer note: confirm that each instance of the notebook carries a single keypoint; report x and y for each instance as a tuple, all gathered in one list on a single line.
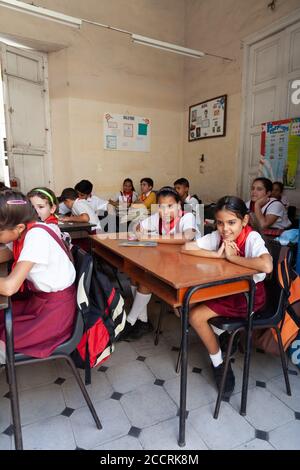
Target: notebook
[(137, 243)]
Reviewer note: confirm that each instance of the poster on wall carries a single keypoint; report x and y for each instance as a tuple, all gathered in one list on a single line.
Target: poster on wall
[(280, 151), (124, 132), (208, 119)]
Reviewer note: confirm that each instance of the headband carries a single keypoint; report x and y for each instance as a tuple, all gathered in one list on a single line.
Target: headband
[(43, 191)]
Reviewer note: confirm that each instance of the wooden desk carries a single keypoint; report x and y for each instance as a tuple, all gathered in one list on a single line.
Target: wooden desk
[(179, 280)]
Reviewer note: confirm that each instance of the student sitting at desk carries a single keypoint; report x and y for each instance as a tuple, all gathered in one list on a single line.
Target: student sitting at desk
[(46, 205), (147, 196), (126, 197), (44, 316), (236, 241), (80, 208), (84, 190), (182, 186), (168, 225), (269, 211)]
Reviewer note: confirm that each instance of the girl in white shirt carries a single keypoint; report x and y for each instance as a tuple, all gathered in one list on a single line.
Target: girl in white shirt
[(238, 243), (269, 211), (43, 271), (168, 225)]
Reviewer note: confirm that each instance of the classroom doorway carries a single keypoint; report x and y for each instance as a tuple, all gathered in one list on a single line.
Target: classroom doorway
[(25, 132), (271, 64)]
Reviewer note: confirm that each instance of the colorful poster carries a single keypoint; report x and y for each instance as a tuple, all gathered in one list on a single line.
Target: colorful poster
[(280, 149), (123, 132)]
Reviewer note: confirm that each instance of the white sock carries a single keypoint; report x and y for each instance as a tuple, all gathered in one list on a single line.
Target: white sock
[(133, 290), (216, 359), (143, 316), (138, 307), (217, 330)]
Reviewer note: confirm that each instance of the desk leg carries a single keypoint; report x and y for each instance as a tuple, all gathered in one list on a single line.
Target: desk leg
[(11, 373), (183, 380)]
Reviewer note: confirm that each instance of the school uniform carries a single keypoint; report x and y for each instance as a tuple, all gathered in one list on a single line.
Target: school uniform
[(45, 317), (125, 198), (97, 204), (191, 202), (251, 245), (155, 225), (274, 207), (81, 206)]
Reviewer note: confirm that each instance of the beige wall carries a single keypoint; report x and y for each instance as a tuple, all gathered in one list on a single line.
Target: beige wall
[(218, 27), (97, 71), (102, 71)]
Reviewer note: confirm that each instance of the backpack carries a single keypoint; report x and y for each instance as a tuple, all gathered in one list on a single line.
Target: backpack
[(104, 319), (290, 324)]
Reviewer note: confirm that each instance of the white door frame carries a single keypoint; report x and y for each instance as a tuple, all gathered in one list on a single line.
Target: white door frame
[(48, 148), (274, 28)]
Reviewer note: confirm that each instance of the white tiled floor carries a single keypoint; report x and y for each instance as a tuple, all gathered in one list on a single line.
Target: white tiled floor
[(136, 396)]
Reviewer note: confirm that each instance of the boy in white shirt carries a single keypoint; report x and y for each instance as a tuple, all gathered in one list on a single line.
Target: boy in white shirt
[(84, 190), (182, 186), (80, 208)]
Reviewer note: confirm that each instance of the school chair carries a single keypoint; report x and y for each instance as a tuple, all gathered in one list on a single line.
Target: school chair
[(269, 317), (84, 267)]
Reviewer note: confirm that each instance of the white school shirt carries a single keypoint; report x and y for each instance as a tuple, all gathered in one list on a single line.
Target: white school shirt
[(151, 224), (122, 199), (53, 270), (278, 209), (255, 246), (63, 209), (191, 201), (81, 206), (97, 204)]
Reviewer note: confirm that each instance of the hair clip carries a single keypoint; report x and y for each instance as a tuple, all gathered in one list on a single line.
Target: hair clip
[(16, 202)]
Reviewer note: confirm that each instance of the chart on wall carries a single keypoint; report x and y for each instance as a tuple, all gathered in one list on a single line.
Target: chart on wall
[(280, 151), (124, 132)]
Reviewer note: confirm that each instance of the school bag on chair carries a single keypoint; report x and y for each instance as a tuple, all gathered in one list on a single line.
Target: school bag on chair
[(104, 319), (290, 324)]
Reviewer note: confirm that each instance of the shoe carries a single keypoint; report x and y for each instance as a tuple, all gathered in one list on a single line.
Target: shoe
[(230, 379), (141, 328), (128, 328), (224, 340)]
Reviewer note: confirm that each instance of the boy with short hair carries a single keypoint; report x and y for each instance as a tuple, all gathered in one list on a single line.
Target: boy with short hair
[(182, 186), (84, 190), (80, 208)]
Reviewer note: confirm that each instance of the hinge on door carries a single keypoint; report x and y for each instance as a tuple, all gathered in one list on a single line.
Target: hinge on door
[(10, 110)]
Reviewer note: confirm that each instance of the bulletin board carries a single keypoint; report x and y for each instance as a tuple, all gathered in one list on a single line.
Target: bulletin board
[(208, 119), (125, 132), (280, 151)]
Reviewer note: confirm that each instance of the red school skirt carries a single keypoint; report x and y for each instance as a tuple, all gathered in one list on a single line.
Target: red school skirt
[(42, 321), (236, 305)]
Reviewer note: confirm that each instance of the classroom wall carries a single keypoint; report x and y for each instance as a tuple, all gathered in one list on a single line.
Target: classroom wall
[(218, 27), (101, 71)]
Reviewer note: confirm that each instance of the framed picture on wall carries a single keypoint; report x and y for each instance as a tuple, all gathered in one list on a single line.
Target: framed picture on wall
[(208, 119)]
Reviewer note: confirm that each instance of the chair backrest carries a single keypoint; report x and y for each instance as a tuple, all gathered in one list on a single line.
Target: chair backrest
[(276, 290)]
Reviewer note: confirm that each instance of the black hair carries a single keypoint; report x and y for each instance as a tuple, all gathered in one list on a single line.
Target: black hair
[(280, 184), (15, 208), (68, 193), (44, 193), (168, 191), (149, 181), (84, 187), (182, 182), (233, 204), (3, 187), (266, 182), (129, 180)]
